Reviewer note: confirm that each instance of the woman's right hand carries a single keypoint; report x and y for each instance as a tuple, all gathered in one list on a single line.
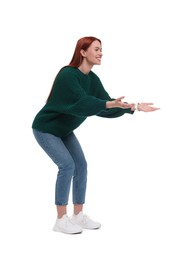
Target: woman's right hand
[(118, 103)]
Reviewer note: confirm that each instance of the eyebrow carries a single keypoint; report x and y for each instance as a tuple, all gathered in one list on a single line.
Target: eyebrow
[(98, 48)]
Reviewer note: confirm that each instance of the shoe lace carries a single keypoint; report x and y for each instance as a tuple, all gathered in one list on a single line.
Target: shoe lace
[(67, 220)]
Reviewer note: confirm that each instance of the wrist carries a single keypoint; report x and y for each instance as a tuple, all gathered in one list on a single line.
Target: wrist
[(137, 108), (108, 104)]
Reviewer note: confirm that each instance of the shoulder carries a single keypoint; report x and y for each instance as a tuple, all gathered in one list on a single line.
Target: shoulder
[(67, 75), (67, 71)]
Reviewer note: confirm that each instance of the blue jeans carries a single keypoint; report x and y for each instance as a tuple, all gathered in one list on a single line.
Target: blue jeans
[(67, 154)]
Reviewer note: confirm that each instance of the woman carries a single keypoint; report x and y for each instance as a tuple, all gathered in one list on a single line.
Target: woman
[(77, 93)]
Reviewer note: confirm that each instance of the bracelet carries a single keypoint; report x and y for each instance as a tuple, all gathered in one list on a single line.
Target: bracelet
[(136, 106)]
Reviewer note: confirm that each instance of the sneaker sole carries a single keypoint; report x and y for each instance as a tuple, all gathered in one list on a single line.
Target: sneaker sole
[(91, 228), (65, 232)]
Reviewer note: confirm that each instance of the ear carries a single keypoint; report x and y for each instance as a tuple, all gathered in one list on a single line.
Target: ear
[(83, 53)]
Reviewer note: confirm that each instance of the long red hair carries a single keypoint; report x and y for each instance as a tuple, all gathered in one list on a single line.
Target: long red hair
[(82, 44)]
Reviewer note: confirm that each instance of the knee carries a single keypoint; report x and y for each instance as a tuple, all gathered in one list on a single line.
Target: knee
[(84, 165), (67, 168)]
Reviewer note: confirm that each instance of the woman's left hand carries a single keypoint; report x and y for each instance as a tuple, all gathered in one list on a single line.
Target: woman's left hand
[(147, 107)]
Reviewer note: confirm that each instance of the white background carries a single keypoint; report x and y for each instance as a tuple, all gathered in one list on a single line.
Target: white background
[(138, 164)]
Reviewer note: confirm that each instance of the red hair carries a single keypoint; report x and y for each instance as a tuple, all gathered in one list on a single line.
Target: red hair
[(82, 44)]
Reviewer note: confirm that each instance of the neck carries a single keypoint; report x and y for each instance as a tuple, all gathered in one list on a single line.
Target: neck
[(85, 68)]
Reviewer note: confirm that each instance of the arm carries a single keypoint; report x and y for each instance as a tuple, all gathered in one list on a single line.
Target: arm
[(116, 108), (70, 97)]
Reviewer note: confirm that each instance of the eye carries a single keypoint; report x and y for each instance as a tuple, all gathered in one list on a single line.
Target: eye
[(97, 49)]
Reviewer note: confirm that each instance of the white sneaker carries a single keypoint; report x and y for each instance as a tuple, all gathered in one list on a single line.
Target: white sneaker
[(84, 221), (64, 225)]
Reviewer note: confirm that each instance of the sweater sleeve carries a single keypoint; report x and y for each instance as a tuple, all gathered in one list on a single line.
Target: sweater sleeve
[(68, 97), (112, 112), (115, 112)]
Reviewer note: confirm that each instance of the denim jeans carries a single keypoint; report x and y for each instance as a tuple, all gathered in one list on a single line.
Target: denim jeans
[(67, 154)]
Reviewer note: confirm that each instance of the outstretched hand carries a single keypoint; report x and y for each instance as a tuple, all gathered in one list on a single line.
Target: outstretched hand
[(147, 107), (118, 103)]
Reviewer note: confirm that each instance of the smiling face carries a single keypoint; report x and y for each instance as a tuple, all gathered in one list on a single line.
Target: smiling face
[(92, 56)]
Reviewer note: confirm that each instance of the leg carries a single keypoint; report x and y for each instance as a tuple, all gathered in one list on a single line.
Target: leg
[(61, 211), (78, 208), (79, 184), (80, 173), (58, 152)]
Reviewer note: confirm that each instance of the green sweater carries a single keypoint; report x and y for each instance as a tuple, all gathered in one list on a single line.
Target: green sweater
[(73, 98)]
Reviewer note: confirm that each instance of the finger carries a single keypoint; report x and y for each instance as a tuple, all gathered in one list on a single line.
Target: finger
[(120, 98), (154, 108), (128, 105), (147, 104)]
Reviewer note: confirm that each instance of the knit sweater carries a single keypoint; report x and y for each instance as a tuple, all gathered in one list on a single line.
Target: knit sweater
[(74, 97)]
